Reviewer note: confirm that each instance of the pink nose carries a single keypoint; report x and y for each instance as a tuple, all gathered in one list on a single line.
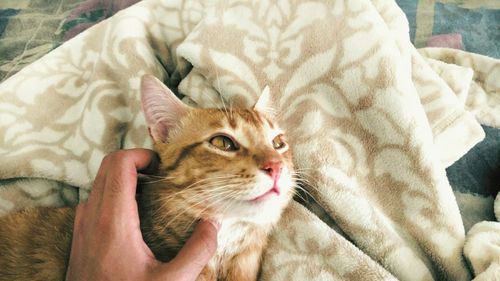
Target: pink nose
[(273, 169)]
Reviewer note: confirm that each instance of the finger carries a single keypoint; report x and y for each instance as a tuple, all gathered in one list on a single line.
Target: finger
[(77, 240), (95, 196), (198, 250), (121, 178), (80, 212)]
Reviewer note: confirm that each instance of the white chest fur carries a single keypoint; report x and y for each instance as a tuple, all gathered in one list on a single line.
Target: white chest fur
[(232, 237), (236, 237)]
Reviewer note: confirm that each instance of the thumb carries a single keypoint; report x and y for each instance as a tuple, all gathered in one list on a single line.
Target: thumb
[(197, 251)]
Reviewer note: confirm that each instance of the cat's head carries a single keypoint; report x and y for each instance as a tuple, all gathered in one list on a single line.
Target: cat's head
[(219, 163)]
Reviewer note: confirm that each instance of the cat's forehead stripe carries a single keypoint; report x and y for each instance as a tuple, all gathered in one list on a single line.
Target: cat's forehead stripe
[(216, 123), (251, 117), (184, 153)]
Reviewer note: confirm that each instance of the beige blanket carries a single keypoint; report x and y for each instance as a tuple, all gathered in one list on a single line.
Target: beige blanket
[(373, 123)]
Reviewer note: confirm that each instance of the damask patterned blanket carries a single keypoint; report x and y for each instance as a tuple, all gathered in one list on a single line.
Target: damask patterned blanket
[(31, 28), (373, 123)]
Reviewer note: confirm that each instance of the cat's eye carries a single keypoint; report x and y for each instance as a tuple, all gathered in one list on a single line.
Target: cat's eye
[(224, 143), (278, 142)]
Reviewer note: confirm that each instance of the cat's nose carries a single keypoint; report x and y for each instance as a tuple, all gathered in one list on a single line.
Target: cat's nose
[(273, 168)]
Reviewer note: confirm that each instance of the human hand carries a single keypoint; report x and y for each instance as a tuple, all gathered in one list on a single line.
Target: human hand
[(107, 240)]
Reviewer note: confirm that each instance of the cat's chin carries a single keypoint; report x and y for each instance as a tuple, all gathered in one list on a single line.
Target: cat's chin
[(261, 219), (265, 210)]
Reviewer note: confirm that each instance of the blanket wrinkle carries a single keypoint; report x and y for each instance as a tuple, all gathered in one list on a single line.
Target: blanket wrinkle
[(484, 97), (372, 121)]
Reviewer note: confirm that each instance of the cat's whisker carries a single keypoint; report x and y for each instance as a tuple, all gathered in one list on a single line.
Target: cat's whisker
[(302, 180), (224, 109), (297, 188), (305, 189), (192, 193), (212, 193), (300, 196), (231, 110), (303, 177), (192, 190), (167, 214), (219, 88), (212, 101), (197, 216), (304, 169), (194, 205), (297, 193), (225, 189), (156, 181), (154, 176), (223, 209), (207, 187), (197, 184)]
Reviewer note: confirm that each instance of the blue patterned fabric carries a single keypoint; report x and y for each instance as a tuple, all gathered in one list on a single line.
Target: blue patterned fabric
[(480, 28), (5, 14), (477, 22)]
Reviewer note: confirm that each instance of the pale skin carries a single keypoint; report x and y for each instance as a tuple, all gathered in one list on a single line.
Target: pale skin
[(107, 240)]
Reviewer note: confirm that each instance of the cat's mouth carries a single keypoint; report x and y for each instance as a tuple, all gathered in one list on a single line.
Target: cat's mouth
[(273, 191)]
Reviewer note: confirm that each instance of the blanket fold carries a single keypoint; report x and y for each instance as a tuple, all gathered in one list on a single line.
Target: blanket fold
[(484, 95), (372, 122)]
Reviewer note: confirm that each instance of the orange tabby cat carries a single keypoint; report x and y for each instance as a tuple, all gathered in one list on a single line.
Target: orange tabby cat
[(231, 166)]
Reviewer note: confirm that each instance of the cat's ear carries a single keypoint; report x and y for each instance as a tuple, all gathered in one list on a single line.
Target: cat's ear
[(263, 104), (161, 107)]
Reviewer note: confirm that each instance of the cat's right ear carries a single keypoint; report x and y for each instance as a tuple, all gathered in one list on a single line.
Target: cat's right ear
[(161, 107), (263, 104)]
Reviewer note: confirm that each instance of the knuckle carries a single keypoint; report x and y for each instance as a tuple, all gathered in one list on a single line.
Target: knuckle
[(107, 158), (114, 184)]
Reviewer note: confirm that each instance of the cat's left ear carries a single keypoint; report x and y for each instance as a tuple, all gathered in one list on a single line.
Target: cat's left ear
[(263, 104), (161, 107)]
